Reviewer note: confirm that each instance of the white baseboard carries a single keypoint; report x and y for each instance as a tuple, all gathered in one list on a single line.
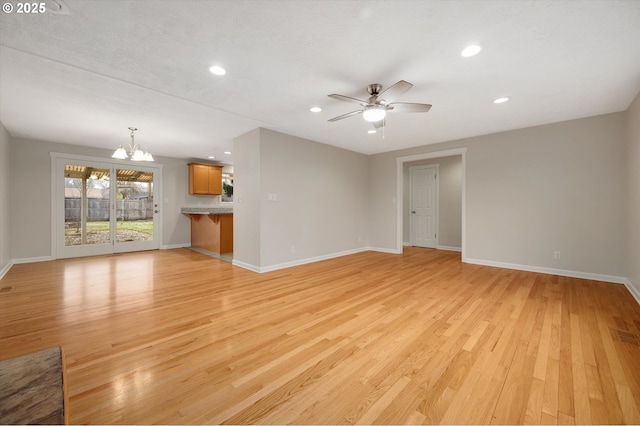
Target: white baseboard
[(552, 271), (458, 249), (33, 259), (261, 269), (247, 266), (632, 289), (6, 268), (383, 250), (174, 246)]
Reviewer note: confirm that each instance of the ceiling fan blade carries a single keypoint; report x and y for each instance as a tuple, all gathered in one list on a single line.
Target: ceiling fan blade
[(349, 114), (348, 99), (408, 107), (394, 92)]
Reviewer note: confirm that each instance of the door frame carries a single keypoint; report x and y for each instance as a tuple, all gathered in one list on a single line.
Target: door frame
[(436, 167), (55, 213), (400, 188)]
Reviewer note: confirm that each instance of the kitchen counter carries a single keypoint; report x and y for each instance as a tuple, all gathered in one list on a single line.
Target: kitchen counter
[(207, 210)]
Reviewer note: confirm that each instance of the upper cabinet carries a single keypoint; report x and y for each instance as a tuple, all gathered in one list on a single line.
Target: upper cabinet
[(205, 179)]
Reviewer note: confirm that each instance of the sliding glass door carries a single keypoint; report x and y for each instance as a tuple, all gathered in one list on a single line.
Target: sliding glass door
[(103, 208)]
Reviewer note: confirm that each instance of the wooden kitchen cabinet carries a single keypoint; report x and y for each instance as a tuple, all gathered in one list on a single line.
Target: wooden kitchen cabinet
[(205, 179)]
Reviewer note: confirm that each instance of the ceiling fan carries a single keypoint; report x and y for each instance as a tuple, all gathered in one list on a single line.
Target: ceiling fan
[(379, 103)]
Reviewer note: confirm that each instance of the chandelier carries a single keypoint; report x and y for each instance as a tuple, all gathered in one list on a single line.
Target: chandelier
[(133, 151)]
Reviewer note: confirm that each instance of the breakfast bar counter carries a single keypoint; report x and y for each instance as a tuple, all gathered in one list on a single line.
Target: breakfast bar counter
[(211, 228)]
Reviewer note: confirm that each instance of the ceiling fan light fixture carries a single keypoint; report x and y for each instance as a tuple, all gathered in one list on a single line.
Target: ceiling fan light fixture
[(374, 109), (374, 113)]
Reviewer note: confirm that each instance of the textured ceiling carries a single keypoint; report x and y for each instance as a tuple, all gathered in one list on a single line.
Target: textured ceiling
[(83, 76)]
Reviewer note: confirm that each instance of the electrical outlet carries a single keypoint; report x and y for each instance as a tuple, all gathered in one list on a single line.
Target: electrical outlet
[(556, 255)]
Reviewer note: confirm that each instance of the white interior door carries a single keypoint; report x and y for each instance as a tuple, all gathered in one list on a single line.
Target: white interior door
[(103, 208), (423, 202)]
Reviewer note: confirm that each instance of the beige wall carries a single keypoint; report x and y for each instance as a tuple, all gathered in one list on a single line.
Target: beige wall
[(247, 198), (31, 197), (449, 201), (571, 187), (322, 200), (530, 192), (5, 201), (633, 198)]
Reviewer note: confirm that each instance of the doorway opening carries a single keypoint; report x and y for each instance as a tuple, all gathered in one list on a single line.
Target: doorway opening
[(400, 192)]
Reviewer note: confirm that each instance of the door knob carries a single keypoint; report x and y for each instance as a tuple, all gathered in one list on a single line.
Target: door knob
[(156, 211), (413, 211)]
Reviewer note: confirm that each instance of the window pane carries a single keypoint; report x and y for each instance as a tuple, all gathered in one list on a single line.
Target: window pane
[(86, 205), (134, 206)]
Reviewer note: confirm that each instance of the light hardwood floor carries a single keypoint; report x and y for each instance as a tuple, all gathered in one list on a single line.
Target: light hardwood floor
[(177, 337)]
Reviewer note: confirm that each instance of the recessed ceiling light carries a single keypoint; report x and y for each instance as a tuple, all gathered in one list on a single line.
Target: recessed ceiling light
[(217, 70), (315, 109), (372, 131), (211, 157), (472, 50), (500, 100), (227, 152)]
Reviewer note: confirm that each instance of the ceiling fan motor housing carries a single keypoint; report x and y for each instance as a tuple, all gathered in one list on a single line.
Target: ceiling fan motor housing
[(374, 89)]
